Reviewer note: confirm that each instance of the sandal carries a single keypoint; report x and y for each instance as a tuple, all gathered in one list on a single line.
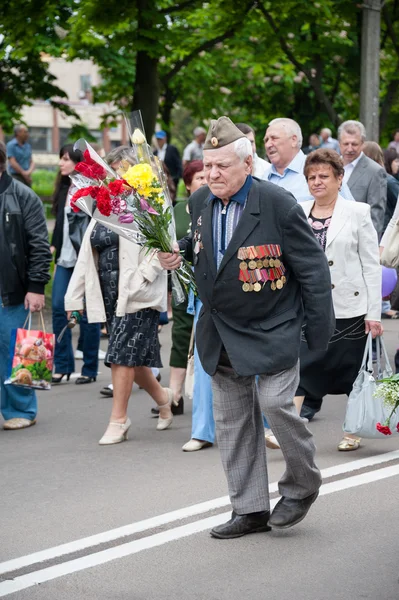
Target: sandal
[(347, 444)]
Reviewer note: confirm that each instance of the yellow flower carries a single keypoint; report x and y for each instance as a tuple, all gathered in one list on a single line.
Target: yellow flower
[(140, 177)]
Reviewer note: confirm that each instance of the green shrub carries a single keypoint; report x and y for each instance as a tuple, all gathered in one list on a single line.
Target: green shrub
[(43, 182)]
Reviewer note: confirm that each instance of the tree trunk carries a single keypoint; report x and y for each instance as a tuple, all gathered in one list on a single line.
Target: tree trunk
[(166, 110), (146, 91)]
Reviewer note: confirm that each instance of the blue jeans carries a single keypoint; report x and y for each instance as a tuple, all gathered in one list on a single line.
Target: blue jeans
[(15, 401), (89, 339)]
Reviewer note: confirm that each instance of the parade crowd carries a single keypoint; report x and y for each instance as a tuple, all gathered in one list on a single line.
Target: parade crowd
[(286, 255)]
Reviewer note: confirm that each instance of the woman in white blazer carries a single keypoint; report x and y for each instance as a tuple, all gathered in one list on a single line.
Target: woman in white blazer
[(347, 235), (117, 281)]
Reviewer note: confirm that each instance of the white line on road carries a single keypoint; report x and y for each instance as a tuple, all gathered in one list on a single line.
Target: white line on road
[(170, 517), (158, 539)]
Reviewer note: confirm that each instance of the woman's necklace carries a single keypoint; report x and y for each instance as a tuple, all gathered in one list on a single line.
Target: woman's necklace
[(323, 211)]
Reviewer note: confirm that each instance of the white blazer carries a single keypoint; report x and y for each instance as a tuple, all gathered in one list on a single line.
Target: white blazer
[(354, 261), (142, 281)]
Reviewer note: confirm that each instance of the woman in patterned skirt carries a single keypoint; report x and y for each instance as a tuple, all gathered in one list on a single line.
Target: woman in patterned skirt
[(347, 235), (127, 288)]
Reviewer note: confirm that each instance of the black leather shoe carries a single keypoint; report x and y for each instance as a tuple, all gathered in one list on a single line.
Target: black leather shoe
[(106, 391), (289, 512), (240, 525)]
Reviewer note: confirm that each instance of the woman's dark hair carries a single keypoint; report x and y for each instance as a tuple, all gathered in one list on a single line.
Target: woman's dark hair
[(324, 156), (389, 156), (63, 180), (190, 170), (3, 157)]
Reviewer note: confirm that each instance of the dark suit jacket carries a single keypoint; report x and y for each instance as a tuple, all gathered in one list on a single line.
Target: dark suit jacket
[(261, 331), (368, 183), (173, 162)]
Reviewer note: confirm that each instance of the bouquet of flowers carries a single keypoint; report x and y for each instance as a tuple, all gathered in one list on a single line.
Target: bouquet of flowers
[(388, 391), (132, 201)]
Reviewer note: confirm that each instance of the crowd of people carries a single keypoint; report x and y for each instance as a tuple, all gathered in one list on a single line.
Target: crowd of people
[(285, 251)]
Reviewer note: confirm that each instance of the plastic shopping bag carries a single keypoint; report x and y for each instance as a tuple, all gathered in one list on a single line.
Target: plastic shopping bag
[(31, 357)]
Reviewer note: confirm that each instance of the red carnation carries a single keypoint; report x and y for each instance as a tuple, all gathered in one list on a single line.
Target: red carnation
[(384, 429), (89, 168), (116, 187), (397, 427), (91, 190), (104, 202)]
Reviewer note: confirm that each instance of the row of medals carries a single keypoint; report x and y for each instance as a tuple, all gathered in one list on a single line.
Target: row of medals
[(260, 264)]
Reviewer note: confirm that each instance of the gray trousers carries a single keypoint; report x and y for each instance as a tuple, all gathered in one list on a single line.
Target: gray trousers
[(238, 403)]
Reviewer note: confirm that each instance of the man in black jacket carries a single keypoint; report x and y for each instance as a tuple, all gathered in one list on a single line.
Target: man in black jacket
[(170, 156), (260, 272), (24, 271)]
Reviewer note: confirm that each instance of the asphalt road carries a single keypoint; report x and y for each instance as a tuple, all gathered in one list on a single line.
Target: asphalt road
[(131, 521)]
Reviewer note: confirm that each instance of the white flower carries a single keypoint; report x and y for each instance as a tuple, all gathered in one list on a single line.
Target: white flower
[(138, 137), (225, 90), (291, 36), (277, 78), (343, 34)]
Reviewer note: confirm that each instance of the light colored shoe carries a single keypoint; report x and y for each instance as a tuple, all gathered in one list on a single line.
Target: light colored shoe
[(271, 441), (18, 423), (348, 444), (78, 355), (101, 355), (116, 433), (194, 445), (166, 423)]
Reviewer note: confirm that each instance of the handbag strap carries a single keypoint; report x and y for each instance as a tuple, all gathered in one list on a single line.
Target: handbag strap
[(29, 321), (367, 362), (382, 348)]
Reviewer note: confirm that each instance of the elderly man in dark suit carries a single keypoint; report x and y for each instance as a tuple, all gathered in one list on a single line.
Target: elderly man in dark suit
[(366, 179), (259, 272)]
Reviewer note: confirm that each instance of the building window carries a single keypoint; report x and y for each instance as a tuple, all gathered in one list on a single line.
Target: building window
[(115, 144), (40, 139), (85, 83), (64, 134)]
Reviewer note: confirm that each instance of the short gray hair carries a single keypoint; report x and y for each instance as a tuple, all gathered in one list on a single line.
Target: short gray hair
[(352, 127), (329, 132), (243, 148), (18, 128), (290, 126), (198, 131)]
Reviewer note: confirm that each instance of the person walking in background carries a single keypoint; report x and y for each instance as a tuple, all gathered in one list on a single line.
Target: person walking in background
[(260, 166), (194, 150), (314, 144), (66, 249), (367, 181), (247, 329), (391, 161), (346, 234), (126, 286), (395, 142), (170, 156), (24, 272), (19, 154), (327, 141), (283, 142)]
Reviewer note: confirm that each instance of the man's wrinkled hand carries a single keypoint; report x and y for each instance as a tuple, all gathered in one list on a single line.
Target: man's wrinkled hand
[(34, 302), (170, 260)]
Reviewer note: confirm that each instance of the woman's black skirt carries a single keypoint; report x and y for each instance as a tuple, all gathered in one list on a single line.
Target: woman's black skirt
[(334, 370)]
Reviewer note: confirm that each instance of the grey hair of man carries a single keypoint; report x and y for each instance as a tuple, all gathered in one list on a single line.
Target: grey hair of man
[(19, 128), (3, 157), (198, 131), (117, 154), (290, 126), (327, 130), (352, 128), (243, 148)]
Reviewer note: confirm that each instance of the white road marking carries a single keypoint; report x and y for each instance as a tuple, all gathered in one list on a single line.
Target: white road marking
[(152, 541), (170, 517)]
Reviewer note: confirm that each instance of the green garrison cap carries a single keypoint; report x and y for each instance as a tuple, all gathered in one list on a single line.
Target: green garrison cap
[(222, 132)]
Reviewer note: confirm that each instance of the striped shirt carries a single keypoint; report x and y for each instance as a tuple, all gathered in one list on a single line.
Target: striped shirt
[(225, 219)]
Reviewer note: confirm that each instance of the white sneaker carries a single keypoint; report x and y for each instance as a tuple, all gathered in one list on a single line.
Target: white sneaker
[(78, 355), (271, 441), (101, 355)]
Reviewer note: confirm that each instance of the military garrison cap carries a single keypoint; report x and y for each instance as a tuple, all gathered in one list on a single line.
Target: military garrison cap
[(222, 132)]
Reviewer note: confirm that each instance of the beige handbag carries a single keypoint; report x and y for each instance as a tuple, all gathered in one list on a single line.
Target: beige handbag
[(189, 382), (390, 254)]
